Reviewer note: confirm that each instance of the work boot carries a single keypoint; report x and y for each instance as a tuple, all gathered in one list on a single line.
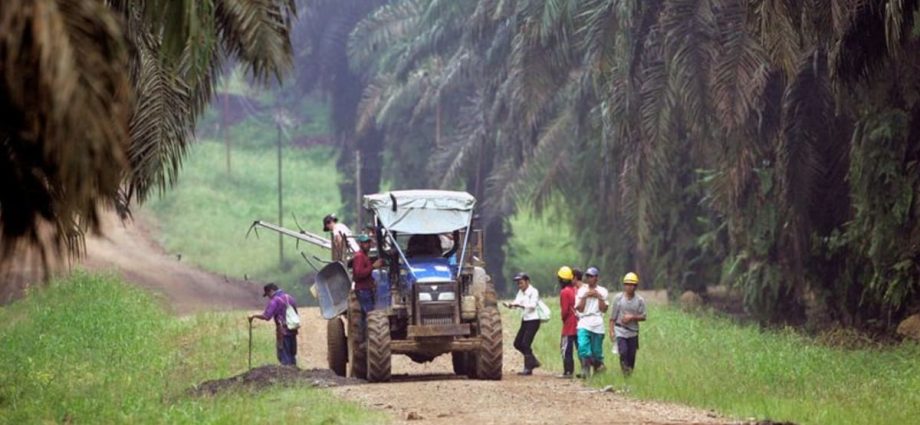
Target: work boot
[(525, 372), (585, 369), (531, 362), (600, 368)]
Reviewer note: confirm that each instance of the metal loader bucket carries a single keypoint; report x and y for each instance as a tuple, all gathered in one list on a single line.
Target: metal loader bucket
[(332, 286)]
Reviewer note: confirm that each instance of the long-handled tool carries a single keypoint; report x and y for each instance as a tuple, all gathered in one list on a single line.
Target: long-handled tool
[(250, 345)]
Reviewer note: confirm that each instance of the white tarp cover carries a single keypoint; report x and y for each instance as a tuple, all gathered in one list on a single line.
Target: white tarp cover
[(422, 211)]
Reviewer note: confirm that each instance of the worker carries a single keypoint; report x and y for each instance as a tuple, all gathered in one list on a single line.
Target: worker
[(526, 300), (569, 320), (285, 338), (341, 237), (362, 273), (576, 285), (590, 305), (628, 311)]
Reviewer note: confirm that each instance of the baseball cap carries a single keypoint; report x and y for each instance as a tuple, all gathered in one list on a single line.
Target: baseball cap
[(592, 271), (363, 238), (328, 219), (267, 288), (521, 276)]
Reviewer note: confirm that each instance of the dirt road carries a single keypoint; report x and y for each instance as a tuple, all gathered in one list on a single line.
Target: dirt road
[(128, 249), (431, 394)]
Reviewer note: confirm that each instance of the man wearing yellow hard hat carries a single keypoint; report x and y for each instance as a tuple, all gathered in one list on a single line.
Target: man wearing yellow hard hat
[(568, 341), (628, 311)]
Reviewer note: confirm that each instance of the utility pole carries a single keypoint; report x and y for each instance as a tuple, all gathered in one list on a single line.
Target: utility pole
[(359, 225), (278, 124), (225, 121)]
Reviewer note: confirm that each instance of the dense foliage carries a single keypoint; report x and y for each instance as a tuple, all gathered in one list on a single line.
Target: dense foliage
[(765, 144), (98, 100)]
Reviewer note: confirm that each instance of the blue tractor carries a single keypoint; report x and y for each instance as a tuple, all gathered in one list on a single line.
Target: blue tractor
[(432, 297)]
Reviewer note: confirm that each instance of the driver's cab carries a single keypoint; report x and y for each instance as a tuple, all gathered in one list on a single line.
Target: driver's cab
[(422, 235)]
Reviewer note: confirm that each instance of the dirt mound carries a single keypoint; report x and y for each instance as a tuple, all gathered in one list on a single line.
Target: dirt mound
[(910, 328), (689, 300), (266, 376)]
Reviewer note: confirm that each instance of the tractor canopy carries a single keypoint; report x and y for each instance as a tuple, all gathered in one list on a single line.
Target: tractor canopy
[(422, 211)]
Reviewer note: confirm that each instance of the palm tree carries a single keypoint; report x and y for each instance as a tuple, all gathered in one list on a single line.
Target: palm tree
[(696, 140), (100, 101)]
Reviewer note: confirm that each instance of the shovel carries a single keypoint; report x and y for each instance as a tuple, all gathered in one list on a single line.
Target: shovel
[(250, 345)]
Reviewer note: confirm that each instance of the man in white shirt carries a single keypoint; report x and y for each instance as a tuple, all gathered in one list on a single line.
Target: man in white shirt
[(590, 306), (341, 237), (527, 299)]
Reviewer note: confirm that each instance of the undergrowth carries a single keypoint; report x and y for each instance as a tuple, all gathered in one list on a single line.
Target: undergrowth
[(744, 371), (91, 349)]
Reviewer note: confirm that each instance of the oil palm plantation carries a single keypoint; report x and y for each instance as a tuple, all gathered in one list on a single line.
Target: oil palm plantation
[(763, 144)]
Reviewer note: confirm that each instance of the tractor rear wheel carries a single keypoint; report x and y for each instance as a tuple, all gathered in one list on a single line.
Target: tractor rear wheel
[(489, 357), (378, 346), (336, 346), (357, 348)]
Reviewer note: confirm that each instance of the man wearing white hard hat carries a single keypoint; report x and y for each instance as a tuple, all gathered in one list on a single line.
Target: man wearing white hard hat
[(628, 311)]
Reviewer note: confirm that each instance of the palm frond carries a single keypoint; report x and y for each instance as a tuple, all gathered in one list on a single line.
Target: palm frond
[(459, 151), (876, 31), (385, 27), (65, 98), (258, 33), (740, 71)]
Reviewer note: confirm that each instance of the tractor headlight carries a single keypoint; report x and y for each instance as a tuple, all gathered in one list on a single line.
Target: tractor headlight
[(424, 296), (446, 296)]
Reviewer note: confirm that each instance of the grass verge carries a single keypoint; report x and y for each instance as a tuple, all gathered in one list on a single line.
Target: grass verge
[(743, 371), (91, 349), (539, 246), (205, 217)]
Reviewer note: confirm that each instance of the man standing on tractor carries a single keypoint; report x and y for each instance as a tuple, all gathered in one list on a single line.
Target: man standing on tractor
[(362, 269), (568, 340), (628, 311), (341, 237), (591, 304), (285, 337), (527, 299)]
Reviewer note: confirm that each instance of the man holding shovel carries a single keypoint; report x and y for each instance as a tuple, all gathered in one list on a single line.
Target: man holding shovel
[(277, 310)]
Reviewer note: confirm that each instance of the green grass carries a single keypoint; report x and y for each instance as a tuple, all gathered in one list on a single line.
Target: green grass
[(540, 246), (206, 216), (743, 371), (91, 349)]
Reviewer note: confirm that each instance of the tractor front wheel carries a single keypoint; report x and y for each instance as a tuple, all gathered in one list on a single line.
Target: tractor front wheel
[(489, 357), (378, 346)]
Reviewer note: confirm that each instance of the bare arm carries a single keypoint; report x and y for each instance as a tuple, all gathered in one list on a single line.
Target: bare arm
[(580, 305), (257, 316)]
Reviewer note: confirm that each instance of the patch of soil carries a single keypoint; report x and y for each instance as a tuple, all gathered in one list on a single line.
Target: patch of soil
[(304, 142), (272, 375)]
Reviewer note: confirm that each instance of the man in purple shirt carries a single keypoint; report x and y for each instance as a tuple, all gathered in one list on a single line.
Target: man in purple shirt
[(286, 339)]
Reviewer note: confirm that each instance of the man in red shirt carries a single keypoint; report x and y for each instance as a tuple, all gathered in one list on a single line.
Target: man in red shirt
[(569, 321), (362, 267)]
